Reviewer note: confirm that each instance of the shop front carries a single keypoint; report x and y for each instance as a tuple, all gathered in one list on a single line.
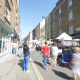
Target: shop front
[(5, 41)]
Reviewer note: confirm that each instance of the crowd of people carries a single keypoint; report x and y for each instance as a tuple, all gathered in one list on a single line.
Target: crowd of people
[(51, 52)]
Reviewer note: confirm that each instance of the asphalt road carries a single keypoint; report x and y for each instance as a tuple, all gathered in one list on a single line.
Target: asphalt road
[(39, 73)]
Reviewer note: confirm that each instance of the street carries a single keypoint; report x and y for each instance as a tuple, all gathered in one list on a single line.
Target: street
[(12, 69), (58, 73)]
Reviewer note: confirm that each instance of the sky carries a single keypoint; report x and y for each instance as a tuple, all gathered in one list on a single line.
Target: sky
[(31, 12)]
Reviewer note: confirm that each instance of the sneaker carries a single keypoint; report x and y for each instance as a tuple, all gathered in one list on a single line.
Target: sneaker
[(24, 70), (46, 69), (27, 71)]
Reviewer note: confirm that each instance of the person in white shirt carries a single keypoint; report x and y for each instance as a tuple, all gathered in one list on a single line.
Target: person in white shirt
[(54, 54)]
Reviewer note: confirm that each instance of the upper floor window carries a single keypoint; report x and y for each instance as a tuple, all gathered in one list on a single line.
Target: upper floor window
[(49, 35), (59, 21), (69, 2), (70, 15), (60, 32), (49, 19), (7, 11), (46, 21), (54, 24), (71, 29), (59, 10), (49, 27), (54, 34), (54, 15)]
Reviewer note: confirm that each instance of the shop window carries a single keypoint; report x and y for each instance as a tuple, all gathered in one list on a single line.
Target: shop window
[(7, 11), (69, 2), (4, 41)]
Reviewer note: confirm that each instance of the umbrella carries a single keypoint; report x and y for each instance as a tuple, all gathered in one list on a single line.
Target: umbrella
[(64, 36), (76, 37)]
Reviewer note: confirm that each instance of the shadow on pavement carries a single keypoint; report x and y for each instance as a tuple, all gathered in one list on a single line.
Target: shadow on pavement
[(61, 74), (21, 63), (38, 63)]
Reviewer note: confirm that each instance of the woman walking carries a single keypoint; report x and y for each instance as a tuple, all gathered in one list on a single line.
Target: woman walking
[(26, 57)]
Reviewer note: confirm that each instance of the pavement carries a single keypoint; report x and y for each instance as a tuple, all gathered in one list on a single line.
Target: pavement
[(12, 69)]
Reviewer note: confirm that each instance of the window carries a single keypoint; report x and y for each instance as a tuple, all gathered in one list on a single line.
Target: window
[(69, 2), (49, 19), (54, 34), (70, 29), (54, 24), (49, 35), (4, 41), (46, 36), (46, 29), (59, 21), (54, 15), (59, 10), (70, 15), (49, 27), (60, 32), (46, 21), (7, 11)]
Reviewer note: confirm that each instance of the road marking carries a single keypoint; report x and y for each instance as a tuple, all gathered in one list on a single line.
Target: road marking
[(36, 70)]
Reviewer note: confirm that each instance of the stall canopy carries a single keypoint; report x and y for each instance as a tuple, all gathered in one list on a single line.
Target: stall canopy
[(64, 36), (76, 37)]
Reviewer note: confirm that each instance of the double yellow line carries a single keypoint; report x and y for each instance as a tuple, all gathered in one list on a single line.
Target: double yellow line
[(36, 70)]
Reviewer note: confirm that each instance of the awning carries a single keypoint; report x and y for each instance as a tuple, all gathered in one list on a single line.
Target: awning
[(76, 37)]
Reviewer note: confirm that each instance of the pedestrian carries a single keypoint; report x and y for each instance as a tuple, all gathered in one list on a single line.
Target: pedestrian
[(50, 56), (14, 48), (26, 57), (46, 51), (75, 63), (20, 49), (54, 54)]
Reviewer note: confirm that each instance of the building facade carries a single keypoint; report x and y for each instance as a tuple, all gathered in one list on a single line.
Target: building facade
[(42, 30), (7, 13), (33, 34), (65, 17), (37, 32), (48, 27)]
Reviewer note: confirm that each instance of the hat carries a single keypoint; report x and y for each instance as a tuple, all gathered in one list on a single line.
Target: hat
[(76, 49)]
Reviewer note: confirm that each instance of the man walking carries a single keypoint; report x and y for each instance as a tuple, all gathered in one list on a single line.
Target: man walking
[(54, 54), (45, 50)]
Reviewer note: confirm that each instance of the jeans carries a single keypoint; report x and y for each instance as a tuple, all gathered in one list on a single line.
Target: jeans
[(20, 52), (26, 60), (45, 60), (14, 51)]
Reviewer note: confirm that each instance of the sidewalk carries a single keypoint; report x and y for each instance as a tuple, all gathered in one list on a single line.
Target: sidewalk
[(11, 69)]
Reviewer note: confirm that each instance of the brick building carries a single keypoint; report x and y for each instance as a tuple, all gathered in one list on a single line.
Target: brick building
[(8, 26), (65, 17)]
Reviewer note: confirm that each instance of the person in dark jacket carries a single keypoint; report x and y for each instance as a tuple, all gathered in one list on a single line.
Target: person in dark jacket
[(26, 57)]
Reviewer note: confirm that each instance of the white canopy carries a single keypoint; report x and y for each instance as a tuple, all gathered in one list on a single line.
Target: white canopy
[(64, 36)]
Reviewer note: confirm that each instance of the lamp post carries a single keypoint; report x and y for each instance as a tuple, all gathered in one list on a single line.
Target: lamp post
[(47, 24)]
